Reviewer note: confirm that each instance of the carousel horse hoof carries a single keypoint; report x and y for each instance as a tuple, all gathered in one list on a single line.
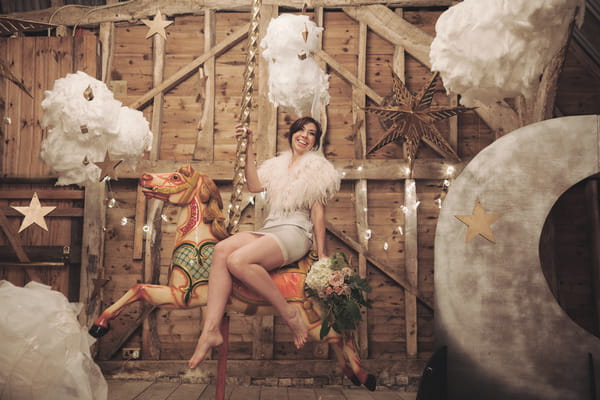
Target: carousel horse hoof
[(355, 381), (98, 331), (371, 382)]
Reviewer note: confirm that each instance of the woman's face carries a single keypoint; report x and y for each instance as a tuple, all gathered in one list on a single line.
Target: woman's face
[(304, 139)]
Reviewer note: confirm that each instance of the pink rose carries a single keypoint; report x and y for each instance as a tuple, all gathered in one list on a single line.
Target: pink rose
[(346, 271), (336, 279), (328, 290), (338, 290)]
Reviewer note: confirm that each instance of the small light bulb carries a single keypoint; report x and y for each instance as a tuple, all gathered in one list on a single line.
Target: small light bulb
[(368, 234), (386, 246), (251, 200), (359, 168), (124, 221), (400, 230), (112, 202), (439, 202), (343, 174), (446, 183), (417, 204), (164, 217), (450, 170), (404, 209), (365, 209), (407, 171), (146, 228)]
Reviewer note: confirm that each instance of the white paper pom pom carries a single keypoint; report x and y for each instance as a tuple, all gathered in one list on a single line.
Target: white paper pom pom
[(488, 50), (296, 81), (84, 120)]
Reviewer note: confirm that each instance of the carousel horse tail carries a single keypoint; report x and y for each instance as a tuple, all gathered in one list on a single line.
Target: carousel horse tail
[(346, 351)]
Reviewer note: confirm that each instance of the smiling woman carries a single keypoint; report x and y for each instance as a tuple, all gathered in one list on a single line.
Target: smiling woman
[(297, 183)]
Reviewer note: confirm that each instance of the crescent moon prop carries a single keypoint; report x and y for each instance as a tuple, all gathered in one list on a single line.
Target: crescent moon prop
[(507, 336)]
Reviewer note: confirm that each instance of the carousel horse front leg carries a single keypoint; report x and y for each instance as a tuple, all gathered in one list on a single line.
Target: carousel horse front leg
[(156, 295), (348, 359)]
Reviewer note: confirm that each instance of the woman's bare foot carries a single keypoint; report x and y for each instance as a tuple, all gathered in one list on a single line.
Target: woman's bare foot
[(207, 340), (297, 325)]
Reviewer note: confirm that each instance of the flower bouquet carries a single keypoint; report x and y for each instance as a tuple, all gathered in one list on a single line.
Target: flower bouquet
[(339, 291)]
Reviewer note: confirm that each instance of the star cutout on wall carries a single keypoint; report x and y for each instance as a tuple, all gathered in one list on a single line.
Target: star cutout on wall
[(107, 167), (412, 120), (479, 223), (157, 25), (34, 213)]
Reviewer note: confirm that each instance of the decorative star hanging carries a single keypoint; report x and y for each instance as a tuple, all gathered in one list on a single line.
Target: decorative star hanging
[(157, 25), (479, 223), (107, 167), (34, 214), (412, 120)]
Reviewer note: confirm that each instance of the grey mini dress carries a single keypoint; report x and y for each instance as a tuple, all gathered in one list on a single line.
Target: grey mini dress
[(293, 233)]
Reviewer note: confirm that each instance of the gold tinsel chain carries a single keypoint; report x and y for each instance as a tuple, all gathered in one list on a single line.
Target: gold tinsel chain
[(235, 204)]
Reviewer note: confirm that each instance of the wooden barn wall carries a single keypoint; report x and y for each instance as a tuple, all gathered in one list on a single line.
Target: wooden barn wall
[(181, 121), (197, 126), (37, 62)]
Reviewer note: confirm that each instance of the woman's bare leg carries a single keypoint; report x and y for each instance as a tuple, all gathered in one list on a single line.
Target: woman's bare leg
[(219, 289), (250, 264)]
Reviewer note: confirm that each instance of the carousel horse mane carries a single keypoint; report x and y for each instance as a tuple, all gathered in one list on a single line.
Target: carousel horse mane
[(213, 215)]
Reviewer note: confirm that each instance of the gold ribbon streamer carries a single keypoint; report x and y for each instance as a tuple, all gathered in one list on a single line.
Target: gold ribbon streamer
[(235, 208)]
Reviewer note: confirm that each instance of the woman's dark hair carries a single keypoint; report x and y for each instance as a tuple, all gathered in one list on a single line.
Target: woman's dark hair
[(298, 124)]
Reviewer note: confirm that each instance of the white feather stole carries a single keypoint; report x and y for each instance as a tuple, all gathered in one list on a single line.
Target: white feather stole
[(312, 178)]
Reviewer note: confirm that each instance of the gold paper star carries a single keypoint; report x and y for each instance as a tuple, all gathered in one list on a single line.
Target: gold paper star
[(34, 214), (412, 120), (479, 223), (108, 167), (157, 25)]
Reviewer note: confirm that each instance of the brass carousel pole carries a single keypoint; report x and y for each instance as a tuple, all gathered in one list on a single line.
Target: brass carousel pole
[(235, 210)]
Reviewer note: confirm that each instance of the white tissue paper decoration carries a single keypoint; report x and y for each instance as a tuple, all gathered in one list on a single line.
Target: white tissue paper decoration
[(488, 50), (296, 82), (78, 127), (44, 351)]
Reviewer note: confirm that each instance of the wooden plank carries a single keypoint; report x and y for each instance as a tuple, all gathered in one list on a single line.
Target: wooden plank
[(92, 254), (273, 393), (204, 149), (360, 189), (411, 244), (329, 394), (48, 194), (158, 66), (145, 8), (29, 141), (13, 239), (191, 391), (126, 389), (106, 36), (302, 394), (140, 217), (169, 83), (13, 110), (57, 212), (158, 391), (357, 394), (151, 274), (245, 393)]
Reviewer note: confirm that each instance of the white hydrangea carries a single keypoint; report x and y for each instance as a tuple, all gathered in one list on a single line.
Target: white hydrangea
[(319, 275)]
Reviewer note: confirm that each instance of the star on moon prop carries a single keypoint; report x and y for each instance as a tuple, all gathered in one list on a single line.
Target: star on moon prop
[(479, 223), (411, 119), (34, 213), (157, 25), (107, 167)]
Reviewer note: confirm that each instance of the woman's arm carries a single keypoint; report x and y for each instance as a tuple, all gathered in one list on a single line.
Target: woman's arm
[(317, 216), (252, 180)]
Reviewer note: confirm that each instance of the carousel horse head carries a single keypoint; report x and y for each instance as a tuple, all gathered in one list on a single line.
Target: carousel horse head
[(182, 187)]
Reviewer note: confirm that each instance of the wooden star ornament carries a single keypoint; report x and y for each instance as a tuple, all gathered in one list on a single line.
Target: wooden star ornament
[(479, 223), (157, 25), (411, 119), (107, 167), (34, 213)]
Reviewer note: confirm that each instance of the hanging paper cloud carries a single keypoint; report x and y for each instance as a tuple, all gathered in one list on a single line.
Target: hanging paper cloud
[(488, 50), (296, 81), (84, 120)]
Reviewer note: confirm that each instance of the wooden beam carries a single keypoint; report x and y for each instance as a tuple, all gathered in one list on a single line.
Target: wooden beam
[(499, 117), (411, 246), (92, 254), (140, 217), (48, 194), (174, 79), (379, 264), (158, 67), (204, 148), (352, 169), (135, 10), (360, 187), (13, 239), (73, 212)]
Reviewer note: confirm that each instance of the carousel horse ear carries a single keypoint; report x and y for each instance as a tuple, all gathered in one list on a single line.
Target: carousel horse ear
[(186, 170)]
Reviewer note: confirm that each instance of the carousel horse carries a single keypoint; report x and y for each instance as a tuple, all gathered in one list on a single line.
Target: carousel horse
[(200, 226)]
